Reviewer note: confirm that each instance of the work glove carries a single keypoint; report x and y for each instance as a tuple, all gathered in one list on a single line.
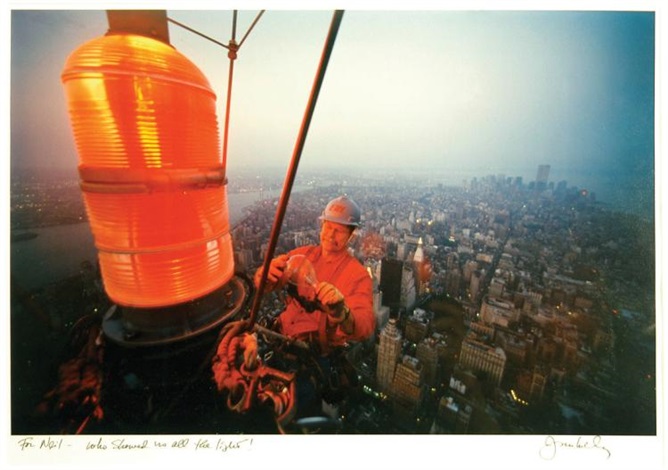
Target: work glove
[(276, 268), (249, 344), (332, 302)]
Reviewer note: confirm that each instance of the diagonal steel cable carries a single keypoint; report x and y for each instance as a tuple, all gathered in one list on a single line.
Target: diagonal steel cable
[(215, 41)]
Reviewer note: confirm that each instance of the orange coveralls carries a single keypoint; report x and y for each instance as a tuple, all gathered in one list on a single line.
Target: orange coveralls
[(348, 275)]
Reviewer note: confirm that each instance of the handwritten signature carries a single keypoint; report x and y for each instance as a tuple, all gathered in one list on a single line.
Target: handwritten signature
[(551, 444)]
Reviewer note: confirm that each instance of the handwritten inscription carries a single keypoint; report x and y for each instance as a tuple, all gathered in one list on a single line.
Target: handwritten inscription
[(47, 443), (101, 444), (552, 445), (225, 445)]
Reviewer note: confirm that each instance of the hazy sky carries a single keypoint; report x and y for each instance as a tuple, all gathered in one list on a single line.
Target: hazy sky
[(467, 92)]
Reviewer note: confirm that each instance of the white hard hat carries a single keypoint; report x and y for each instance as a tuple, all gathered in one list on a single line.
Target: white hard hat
[(342, 210)]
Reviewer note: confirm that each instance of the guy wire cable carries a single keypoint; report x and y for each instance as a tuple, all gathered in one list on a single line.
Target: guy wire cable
[(232, 48)]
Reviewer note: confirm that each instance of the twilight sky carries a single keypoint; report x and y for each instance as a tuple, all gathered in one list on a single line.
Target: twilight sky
[(463, 93)]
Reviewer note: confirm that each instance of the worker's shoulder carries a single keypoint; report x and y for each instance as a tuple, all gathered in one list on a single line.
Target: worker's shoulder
[(355, 267)]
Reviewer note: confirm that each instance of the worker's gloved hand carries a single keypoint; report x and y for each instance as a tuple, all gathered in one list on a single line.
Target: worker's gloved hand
[(332, 302), (275, 274), (249, 343)]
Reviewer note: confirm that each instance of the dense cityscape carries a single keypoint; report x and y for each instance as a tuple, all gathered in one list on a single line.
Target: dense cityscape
[(502, 305)]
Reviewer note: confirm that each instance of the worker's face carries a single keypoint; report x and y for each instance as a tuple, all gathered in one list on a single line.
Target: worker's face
[(334, 237)]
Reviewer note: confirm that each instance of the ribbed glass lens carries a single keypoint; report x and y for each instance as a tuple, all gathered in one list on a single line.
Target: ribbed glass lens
[(144, 122)]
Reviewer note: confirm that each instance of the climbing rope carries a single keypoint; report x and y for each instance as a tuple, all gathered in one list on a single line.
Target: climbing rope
[(77, 397)]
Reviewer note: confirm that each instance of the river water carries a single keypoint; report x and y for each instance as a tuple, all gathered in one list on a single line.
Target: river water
[(57, 252)]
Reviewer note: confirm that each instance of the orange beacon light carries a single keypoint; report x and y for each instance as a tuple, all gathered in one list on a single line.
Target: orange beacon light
[(144, 123)]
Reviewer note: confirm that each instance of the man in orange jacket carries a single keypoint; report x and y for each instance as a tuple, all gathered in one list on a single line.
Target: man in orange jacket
[(329, 303), (342, 300)]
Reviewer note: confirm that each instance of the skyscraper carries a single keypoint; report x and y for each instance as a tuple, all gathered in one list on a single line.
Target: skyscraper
[(478, 356), (389, 349), (422, 269), (542, 176), (390, 282), (408, 287), (427, 354), (407, 390), (418, 257)]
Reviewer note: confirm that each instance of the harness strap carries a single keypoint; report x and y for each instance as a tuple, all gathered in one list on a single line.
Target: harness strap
[(322, 334)]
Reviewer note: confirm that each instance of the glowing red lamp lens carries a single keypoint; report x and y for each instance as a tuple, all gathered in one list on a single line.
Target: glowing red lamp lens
[(145, 127)]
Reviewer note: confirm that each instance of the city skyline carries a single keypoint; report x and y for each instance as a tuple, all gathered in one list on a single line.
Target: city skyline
[(456, 92), (404, 196)]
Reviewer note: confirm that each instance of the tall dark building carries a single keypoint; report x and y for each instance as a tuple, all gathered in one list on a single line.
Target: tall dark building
[(390, 282), (389, 349)]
